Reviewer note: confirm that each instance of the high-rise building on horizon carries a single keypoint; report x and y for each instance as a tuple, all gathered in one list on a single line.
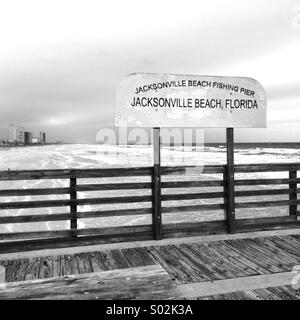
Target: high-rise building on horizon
[(28, 138), (16, 134), (42, 137)]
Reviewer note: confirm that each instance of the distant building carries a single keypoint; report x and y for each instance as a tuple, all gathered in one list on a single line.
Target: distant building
[(28, 138), (35, 140), (16, 134), (42, 137)]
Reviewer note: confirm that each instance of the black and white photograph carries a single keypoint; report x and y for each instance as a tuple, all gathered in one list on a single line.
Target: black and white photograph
[(149, 153)]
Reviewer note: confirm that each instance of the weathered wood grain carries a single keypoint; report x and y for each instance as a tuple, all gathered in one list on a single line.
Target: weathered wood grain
[(78, 173), (117, 284)]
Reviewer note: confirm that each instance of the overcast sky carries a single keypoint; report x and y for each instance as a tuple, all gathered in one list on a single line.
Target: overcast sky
[(61, 61)]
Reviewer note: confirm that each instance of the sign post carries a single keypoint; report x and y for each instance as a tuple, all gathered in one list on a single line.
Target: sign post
[(191, 101), (229, 181), (156, 186)]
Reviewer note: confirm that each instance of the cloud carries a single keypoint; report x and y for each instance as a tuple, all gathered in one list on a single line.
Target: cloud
[(61, 63)]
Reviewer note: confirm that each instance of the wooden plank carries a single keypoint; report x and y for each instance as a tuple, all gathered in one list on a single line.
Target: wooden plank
[(288, 242), (103, 261), (56, 266), (78, 173), (34, 234), (224, 260), (230, 205), (33, 269), (190, 196), (85, 231), (9, 276), (281, 262), (287, 247), (13, 270), (269, 245), (236, 254), (262, 204), (144, 255), (254, 255), (266, 294), (208, 266), (268, 167), (264, 223), (169, 267), (156, 187), (116, 259), (34, 218), (207, 257), (96, 266), (114, 200), (46, 267), (71, 265), (19, 270), (289, 289), (296, 237), (83, 263), (244, 260), (33, 192), (189, 169), (179, 269), (251, 193), (293, 241), (114, 230), (117, 284), (282, 294), (193, 229), (80, 215), (119, 259), (200, 226), (255, 251), (239, 295), (133, 258), (250, 182), (293, 192), (200, 270), (215, 206), (63, 242), (113, 213), (81, 202), (34, 204), (236, 263), (62, 266), (113, 186), (192, 184)]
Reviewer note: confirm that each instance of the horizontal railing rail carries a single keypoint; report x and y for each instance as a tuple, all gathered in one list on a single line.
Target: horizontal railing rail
[(182, 190)]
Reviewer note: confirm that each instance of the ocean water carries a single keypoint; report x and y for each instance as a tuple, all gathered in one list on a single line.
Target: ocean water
[(105, 156)]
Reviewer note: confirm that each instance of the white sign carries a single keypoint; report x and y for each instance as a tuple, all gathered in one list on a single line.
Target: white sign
[(167, 100)]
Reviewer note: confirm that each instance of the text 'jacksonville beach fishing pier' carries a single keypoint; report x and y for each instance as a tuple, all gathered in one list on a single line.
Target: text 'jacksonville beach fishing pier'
[(228, 258)]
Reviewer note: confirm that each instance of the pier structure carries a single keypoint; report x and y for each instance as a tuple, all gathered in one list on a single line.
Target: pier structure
[(230, 257)]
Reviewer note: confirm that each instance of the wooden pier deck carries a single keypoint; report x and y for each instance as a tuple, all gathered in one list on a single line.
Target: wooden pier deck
[(235, 267)]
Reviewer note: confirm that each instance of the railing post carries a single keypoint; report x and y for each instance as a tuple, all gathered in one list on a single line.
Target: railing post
[(156, 186), (229, 205), (293, 191), (73, 206), (225, 190)]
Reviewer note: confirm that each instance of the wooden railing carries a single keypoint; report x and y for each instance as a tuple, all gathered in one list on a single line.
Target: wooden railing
[(160, 183)]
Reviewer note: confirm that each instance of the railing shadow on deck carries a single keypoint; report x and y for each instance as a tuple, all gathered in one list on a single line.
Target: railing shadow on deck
[(74, 236)]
